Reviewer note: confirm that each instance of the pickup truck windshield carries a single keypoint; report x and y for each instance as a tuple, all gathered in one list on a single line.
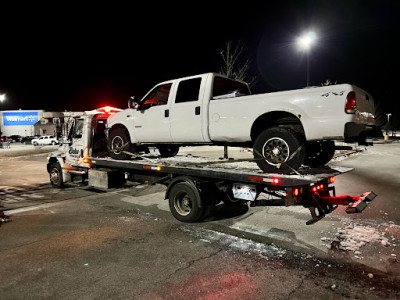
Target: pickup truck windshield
[(223, 86)]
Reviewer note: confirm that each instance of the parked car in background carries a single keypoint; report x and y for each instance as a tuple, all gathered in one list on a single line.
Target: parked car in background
[(14, 138), (28, 139), (45, 140)]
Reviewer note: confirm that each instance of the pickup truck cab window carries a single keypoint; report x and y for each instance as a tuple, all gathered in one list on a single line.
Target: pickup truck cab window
[(188, 90), (159, 95), (230, 88)]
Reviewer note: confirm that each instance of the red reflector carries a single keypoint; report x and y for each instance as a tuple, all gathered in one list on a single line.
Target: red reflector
[(255, 178), (275, 180), (351, 103)]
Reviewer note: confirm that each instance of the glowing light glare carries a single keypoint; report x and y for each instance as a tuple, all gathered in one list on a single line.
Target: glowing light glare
[(306, 40), (2, 97)]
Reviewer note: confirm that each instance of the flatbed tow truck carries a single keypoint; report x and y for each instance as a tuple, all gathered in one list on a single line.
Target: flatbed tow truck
[(194, 183)]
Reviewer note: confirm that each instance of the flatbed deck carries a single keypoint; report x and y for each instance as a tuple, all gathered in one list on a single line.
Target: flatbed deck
[(231, 170)]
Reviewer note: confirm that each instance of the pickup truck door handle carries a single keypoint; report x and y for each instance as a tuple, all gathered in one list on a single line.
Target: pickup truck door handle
[(166, 113), (197, 110)]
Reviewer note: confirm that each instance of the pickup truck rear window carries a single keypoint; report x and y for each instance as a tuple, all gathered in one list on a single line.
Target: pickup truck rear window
[(188, 90), (223, 86)]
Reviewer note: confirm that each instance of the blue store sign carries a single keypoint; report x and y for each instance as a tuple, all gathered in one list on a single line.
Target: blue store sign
[(20, 118)]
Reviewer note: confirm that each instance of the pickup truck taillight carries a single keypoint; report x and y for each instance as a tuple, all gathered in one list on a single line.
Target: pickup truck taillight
[(351, 104)]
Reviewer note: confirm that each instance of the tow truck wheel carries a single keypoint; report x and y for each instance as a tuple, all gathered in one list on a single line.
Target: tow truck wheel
[(279, 150), (118, 141), (184, 201), (56, 177), (319, 153)]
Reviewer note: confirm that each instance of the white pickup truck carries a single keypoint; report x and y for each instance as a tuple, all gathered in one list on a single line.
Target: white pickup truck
[(286, 129)]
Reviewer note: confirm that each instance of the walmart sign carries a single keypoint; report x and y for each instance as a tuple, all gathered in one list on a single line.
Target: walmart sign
[(20, 118)]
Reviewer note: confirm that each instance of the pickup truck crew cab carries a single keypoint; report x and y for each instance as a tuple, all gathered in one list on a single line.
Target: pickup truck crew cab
[(285, 129)]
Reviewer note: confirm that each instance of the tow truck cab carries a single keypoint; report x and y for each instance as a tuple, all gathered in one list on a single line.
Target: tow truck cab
[(86, 137)]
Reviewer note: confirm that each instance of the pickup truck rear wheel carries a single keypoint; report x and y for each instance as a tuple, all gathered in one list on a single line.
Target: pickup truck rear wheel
[(184, 202), (279, 150), (118, 141), (319, 153), (168, 150)]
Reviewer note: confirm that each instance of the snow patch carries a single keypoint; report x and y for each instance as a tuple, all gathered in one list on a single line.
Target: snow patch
[(236, 243), (355, 236)]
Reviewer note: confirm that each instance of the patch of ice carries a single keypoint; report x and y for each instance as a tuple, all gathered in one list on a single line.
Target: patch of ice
[(236, 243), (355, 236)]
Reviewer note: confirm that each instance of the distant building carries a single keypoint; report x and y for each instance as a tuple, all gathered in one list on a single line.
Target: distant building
[(30, 122)]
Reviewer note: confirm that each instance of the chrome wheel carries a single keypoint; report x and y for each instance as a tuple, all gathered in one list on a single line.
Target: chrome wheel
[(117, 143), (276, 151)]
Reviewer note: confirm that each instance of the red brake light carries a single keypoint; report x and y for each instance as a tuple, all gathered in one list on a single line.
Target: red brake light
[(351, 103), (332, 179), (275, 180), (296, 192)]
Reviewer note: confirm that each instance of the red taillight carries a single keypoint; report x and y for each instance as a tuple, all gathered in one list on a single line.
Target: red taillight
[(296, 192), (332, 179), (351, 103), (275, 180)]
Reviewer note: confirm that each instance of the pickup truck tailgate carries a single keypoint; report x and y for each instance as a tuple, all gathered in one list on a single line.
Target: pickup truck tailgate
[(365, 108)]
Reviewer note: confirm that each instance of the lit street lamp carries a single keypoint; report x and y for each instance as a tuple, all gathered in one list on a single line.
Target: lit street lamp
[(305, 42), (2, 97)]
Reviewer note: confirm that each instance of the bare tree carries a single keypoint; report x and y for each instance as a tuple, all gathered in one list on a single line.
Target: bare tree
[(231, 65)]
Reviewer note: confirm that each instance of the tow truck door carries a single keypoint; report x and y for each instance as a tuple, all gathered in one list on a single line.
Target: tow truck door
[(76, 135)]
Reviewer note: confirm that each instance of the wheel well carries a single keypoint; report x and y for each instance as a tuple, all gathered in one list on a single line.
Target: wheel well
[(51, 161), (276, 118), (117, 126)]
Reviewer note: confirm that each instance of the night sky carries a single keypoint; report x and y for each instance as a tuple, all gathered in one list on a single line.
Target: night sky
[(78, 57)]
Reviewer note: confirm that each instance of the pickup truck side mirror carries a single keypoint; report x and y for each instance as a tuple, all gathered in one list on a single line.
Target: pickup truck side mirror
[(131, 102)]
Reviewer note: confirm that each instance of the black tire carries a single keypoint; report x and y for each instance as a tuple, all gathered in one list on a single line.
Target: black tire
[(184, 200), (168, 150), (319, 153), (56, 176), (117, 142), (274, 150)]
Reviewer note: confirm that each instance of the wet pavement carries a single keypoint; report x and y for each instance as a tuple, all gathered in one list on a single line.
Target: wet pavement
[(123, 243)]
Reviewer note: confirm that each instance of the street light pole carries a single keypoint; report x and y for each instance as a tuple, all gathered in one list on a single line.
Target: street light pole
[(304, 43)]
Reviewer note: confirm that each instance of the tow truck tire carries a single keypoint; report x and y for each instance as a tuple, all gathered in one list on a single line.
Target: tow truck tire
[(56, 176), (184, 202), (274, 147), (117, 139), (168, 150), (319, 153)]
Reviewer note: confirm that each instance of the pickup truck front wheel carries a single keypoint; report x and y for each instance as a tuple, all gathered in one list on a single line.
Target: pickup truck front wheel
[(279, 150), (118, 142)]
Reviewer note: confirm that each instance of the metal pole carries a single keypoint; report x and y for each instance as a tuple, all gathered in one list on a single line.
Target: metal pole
[(308, 67)]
